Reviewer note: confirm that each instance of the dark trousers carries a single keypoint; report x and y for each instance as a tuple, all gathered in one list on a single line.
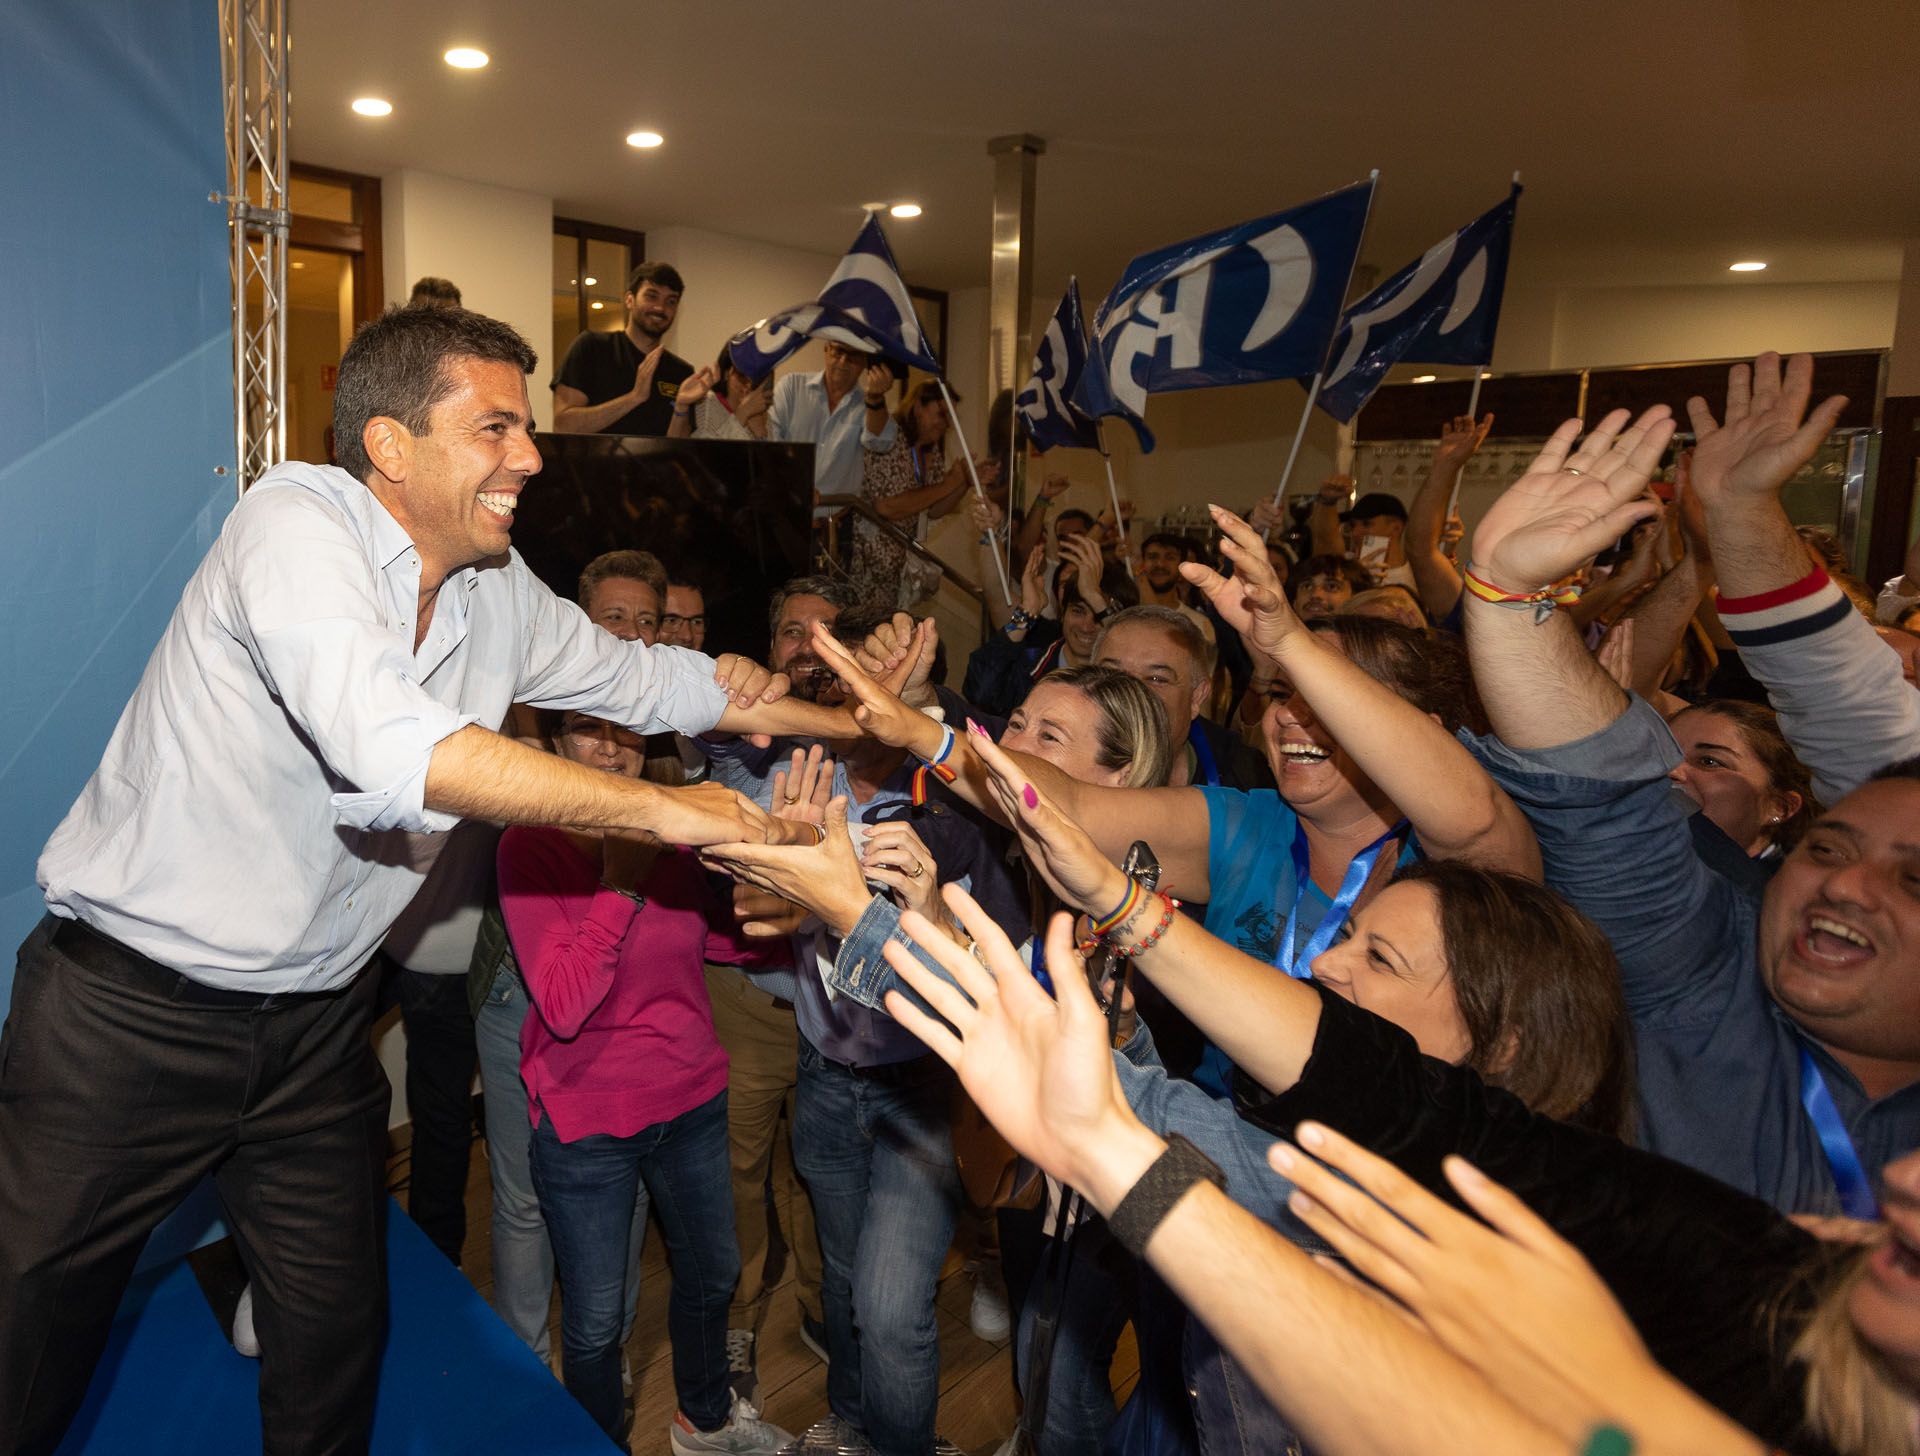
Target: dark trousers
[(587, 1189), (441, 1058), (121, 1086)]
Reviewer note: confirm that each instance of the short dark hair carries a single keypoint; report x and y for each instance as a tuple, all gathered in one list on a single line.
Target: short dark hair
[(1327, 564), (1077, 514), (431, 292), (641, 566), (1538, 990), (397, 367), (665, 274), (834, 592), (1168, 538), (1428, 669), (1900, 768)]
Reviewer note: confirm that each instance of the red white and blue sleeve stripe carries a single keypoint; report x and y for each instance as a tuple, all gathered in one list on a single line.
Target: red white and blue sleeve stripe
[(1801, 609)]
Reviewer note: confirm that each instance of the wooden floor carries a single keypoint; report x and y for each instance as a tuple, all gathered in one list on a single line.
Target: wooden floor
[(977, 1402)]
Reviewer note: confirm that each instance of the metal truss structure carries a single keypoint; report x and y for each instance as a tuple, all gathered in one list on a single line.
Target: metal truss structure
[(253, 63)]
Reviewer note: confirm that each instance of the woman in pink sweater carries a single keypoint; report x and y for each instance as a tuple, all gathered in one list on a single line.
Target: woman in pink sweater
[(626, 1082)]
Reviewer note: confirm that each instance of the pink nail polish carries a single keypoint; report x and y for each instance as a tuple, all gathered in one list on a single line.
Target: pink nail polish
[(1032, 799), (973, 727)]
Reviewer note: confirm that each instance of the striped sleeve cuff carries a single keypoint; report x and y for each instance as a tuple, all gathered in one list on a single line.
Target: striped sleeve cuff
[(1809, 605)]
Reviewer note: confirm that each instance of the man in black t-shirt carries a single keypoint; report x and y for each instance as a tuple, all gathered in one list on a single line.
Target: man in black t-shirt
[(624, 383)]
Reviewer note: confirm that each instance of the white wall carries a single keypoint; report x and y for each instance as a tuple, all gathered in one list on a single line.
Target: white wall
[(1602, 326), (494, 243), (733, 282)]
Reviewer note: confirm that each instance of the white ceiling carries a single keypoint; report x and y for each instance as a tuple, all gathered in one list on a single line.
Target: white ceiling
[(1659, 139)]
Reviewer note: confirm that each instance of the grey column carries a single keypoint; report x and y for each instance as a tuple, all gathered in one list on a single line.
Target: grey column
[(1010, 284)]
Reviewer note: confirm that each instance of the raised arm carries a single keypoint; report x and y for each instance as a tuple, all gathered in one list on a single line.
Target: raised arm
[(1438, 578), (1843, 703), (1539, 684), (1323, 520), (1115, 818), (1343, 1365), (1453, 806)]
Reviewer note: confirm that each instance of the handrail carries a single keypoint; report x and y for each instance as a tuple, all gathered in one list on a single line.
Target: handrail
[(863, 508)]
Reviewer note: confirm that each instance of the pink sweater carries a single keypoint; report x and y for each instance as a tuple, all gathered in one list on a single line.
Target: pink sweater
[(621, 1034)]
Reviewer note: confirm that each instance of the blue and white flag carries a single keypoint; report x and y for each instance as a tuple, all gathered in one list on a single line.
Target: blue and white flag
[(1252, 302), (1045, 402), (1443, 308), (867, 289), (865, 304)]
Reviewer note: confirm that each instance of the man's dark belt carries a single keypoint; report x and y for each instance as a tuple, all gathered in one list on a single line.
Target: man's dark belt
[(80, 943)]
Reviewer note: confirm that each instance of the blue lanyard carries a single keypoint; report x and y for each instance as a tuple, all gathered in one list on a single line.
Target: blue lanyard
[(1849, 1175), (1300, 966), (1205, 770)]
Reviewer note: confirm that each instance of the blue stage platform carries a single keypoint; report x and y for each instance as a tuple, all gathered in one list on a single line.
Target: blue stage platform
[(453, 1382)]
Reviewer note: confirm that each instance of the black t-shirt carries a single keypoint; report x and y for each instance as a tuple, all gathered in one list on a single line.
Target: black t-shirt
[(1714, 1280), (601, 366)]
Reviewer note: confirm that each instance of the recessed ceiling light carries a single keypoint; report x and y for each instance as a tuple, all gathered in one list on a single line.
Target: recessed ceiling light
[(1748, 267), (372, 106), (298, 264), (644, 139), (466, 58), (596, 304), (592, 281), (1425, 378), (905, 209)]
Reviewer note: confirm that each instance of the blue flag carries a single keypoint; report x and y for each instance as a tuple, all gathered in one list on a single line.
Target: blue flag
[(1252, 302), (1444, 308), (1045, 402), (865, 305)]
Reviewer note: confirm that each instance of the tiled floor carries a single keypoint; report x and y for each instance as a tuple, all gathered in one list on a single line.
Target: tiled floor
[(977, 1405)]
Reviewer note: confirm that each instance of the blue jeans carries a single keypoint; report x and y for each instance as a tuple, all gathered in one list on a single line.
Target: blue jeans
[(875, 1147), (586, 1189), (1094, 1306), (522, 1257)]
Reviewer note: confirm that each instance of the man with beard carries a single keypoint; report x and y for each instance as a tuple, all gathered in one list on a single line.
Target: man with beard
[(872, 1129), (625, 382), (1159, 576)]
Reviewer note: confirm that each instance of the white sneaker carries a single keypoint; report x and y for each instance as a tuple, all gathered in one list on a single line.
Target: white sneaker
[(744, 1434), (244, 1338), (988, 1315)]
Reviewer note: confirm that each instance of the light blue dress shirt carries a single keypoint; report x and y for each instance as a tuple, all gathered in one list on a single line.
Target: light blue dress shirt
[(249, 823), (799, 412)]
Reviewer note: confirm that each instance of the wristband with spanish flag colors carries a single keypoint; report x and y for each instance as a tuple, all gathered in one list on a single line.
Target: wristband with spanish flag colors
[(1541, 603)]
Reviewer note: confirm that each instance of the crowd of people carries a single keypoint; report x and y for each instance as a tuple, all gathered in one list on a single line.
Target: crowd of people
[(1442, 995)]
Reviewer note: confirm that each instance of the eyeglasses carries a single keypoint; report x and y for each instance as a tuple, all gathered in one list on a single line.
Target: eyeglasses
[(585, 731), (673, 621)]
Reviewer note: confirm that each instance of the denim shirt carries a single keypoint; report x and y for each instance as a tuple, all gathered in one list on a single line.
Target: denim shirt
[(1719, 1071)]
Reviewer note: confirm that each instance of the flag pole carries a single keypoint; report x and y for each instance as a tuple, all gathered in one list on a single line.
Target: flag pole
[(1113, 492), (974, 475), (1473, 416), (1313, 390)]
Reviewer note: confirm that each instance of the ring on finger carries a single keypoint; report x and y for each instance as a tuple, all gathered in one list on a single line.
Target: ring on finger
[(1573, 470), (913, 871)]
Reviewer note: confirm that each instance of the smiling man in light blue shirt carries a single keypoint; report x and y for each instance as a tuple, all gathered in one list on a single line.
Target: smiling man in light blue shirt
[(842, 410), (327, 691)]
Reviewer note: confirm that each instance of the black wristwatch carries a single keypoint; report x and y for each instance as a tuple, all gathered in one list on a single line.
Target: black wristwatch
[(1164, 1184)]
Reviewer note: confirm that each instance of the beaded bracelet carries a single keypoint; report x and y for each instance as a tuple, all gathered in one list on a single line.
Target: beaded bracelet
[(1169, 906)]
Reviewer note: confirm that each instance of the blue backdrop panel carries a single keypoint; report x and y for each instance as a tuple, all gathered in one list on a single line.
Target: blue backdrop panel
[(116, 401), (454, 1380)]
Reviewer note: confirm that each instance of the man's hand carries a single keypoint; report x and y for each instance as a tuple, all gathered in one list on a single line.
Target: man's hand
[(875, 381), (1053, 487), (986, 515), (1335, 491), (764, 915), (1460, 437), (643, 376), (900, 655), (1762, 442), (1265, 516), (801, 790), (1087, 566), (746, 682), (695, 387), (880, 712), (1572, 503), (823, 876), (1033, 582), (706, 814)]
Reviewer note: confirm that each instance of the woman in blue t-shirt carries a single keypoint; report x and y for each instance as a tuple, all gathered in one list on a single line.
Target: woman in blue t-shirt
[(1359, 734)]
